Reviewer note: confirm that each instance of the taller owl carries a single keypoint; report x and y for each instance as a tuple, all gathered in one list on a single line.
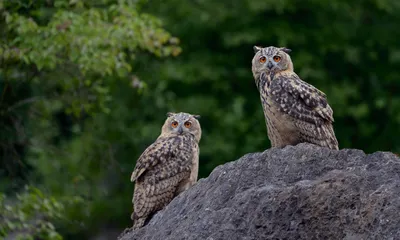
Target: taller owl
[(294, 110), (167, 167)]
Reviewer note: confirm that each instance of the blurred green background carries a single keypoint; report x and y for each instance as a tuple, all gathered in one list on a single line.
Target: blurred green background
[(85, 86)]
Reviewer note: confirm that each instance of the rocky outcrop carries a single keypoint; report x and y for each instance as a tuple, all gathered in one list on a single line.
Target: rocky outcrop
[(298, 192)]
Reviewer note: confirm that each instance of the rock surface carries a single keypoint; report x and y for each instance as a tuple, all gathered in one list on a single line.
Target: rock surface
[(298, 192)]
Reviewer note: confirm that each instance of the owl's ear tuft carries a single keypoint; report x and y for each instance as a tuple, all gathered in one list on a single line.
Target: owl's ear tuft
[(169, 114), (256, 48), (286, 50), (196, 116)]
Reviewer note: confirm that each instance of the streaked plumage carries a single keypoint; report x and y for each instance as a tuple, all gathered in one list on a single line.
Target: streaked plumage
[(295, 111), (167, 167)]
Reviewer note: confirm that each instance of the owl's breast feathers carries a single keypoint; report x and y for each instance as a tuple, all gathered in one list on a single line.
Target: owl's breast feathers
[(170, 150), (264, 81), (299, 99)]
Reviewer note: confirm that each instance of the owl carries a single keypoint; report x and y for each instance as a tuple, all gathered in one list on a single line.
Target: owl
[(294, 110), (167, 167)]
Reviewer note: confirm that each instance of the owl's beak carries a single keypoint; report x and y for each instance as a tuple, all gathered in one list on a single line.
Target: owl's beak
[(270, 65), (180, 130)]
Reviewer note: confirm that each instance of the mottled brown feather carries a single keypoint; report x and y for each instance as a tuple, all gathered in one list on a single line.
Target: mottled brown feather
[(301, 96), (294, 110), (166, 168)]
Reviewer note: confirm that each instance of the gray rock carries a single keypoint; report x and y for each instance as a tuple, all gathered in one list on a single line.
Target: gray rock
[(298, 192)]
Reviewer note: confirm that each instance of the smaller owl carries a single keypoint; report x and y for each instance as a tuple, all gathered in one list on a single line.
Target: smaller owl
[(167, 167), (294, 110)]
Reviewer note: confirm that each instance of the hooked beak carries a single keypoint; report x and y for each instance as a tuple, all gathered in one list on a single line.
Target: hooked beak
[(180, 130), (270, 65)]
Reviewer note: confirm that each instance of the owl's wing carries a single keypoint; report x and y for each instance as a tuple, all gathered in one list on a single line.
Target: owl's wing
[(162, 151), (300, 99)]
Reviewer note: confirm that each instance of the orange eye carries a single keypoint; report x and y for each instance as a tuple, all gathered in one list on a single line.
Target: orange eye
[(174, 124), (188, 124), (277, 58), (263, 59)]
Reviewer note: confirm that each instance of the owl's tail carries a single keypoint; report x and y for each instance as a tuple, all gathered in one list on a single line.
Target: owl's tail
[(322, 135), (330, 140), (137, 222)]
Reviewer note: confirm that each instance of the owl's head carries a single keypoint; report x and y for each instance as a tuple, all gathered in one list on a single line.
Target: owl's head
[(271, 59), (182, 123)]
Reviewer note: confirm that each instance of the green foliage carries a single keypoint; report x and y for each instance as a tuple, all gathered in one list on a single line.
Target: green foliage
[(85, 86), (82, 43), (348, 49), (30, 215), (59, 60)]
